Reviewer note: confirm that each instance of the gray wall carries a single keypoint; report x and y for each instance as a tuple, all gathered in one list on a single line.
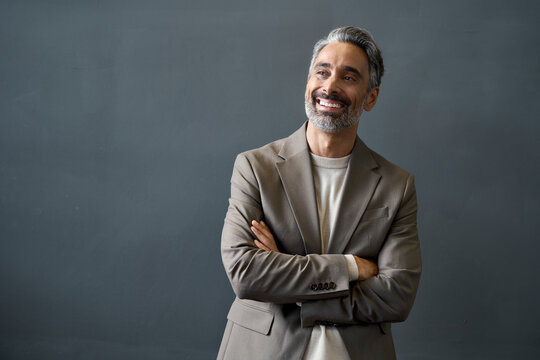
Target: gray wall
[(120, 120)]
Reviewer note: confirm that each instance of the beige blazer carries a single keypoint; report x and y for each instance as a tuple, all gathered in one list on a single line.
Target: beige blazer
[(376, 219)]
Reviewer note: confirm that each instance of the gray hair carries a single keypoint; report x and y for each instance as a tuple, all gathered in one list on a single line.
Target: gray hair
[(361, 38)]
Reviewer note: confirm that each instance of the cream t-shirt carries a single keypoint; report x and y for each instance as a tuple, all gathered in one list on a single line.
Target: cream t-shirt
[(329, 179)]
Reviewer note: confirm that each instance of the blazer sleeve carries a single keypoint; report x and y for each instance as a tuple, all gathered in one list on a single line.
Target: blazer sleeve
[(389, 296), (267, 275)]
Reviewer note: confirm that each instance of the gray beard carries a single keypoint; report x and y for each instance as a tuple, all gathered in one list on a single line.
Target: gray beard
[(330, 123)]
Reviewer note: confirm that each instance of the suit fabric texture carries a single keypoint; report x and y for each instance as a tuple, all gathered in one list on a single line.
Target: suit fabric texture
[(376, 219)]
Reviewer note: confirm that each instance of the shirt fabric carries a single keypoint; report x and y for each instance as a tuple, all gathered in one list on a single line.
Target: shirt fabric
[(329, 178)]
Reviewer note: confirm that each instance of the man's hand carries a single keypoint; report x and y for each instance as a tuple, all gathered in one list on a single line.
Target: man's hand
[(265, 239), (366, 268)]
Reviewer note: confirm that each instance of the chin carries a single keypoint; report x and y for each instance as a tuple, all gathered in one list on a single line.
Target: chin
[(330, 122), (330, 127)]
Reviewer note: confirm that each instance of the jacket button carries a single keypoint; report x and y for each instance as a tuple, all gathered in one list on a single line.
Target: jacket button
[(332, 285), (314, 287)]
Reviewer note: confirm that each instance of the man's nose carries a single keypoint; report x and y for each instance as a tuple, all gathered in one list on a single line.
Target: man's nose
[(331, 85)]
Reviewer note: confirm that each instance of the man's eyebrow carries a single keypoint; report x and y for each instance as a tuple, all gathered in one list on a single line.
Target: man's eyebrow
[(352, 69), (345, 67), (321, 64)]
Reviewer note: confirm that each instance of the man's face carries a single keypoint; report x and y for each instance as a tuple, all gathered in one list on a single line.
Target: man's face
[(336, 91)]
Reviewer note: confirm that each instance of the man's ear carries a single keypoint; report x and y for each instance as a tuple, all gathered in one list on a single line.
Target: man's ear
[(371, 99)]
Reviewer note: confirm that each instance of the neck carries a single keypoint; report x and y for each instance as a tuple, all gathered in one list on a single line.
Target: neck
[(332, 145)]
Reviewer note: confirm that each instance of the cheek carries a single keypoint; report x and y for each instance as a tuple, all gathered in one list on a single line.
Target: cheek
[(359, 99), (307, 95), (311, 86)]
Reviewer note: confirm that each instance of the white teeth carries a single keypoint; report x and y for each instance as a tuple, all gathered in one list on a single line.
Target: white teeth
[(324, 103)]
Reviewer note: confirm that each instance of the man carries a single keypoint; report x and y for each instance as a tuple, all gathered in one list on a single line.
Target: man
[(320, 241)]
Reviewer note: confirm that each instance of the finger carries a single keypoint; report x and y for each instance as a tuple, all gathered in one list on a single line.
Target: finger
[(261, 226), (259, 233), (270, 245), (257, 225), (260, 245), (264, 235), (262, 238), (266, 229)]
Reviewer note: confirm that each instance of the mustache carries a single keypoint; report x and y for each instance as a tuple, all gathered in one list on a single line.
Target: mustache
[(319, 94)]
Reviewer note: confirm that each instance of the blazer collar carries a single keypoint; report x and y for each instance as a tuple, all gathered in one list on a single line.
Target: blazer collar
[(297, 179), (361, 179)]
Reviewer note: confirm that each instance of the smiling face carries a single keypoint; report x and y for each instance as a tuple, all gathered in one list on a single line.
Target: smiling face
[(336, 91)]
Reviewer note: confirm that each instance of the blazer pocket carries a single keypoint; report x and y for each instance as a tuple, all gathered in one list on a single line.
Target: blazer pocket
[(250, 317), (372, 214)]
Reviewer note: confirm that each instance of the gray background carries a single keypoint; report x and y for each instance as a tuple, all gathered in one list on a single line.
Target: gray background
[(119, 124)]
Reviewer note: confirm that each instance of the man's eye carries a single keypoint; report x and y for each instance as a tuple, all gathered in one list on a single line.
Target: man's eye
[(348, 78)]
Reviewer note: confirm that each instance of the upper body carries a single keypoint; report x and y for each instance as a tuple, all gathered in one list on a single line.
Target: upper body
[(273, 200)]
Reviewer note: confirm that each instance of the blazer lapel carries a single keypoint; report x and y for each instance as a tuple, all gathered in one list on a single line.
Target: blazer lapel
[(360, 183), (297, 179)]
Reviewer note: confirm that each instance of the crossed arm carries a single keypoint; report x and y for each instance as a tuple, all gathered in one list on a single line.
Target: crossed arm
[(265, 241), (258, 271)]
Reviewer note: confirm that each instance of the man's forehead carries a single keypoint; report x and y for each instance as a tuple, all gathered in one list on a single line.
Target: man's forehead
[(342, 55)]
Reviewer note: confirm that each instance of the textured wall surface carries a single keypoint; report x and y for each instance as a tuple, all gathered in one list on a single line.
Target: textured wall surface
[(120, 120)]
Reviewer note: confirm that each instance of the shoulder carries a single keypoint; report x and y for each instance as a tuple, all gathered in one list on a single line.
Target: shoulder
[(268, 155), (389, 170), (261, 160), (269, 151), (279, 149)]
